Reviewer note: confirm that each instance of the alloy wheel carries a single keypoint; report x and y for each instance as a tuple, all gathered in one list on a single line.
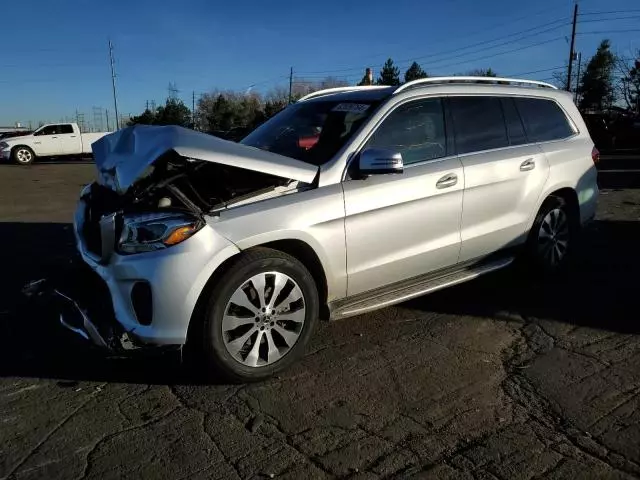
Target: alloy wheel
[(553, 237), (23, 155), (263, 319)]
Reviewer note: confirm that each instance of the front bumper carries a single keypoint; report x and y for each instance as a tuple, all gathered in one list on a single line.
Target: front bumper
[(5, 154), (174, 277)]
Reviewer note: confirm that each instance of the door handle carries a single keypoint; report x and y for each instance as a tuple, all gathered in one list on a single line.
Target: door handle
[(527, 165), (54, 137), (447, 181), (72, 136)]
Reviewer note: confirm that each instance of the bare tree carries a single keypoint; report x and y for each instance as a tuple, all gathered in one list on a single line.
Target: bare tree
[(332, 82), (628, 85), (560, 78)]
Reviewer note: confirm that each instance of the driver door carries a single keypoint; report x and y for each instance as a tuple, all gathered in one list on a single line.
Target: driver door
[(47, 142), (400, 226)]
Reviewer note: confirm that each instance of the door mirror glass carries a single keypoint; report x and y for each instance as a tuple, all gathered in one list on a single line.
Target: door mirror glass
[(380, 161)]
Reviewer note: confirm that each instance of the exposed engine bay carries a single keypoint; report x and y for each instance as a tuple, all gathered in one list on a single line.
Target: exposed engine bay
[(175, 182)]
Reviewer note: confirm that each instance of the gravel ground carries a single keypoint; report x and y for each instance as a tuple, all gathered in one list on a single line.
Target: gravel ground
[(500, 378)]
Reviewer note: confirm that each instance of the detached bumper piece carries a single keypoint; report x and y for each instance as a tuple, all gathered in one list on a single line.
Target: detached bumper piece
[(82, 304)]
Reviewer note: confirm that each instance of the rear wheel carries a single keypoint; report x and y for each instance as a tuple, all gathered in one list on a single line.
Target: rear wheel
[(552, 236), (23, 155), (260, 317)]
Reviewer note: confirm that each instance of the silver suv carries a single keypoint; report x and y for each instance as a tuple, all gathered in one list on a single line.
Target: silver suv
[(349, 200)]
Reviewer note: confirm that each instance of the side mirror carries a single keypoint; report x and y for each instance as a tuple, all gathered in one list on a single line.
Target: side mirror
[(378, 161)]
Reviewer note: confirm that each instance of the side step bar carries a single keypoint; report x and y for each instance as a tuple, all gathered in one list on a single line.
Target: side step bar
[(407, 290)]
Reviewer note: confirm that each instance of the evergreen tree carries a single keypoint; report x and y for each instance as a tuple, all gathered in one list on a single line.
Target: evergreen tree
[(482, 72), (390, 74), (414, 72), (596, 87)]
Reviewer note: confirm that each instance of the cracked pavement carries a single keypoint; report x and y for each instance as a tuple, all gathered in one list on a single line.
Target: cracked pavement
[(500, 378)]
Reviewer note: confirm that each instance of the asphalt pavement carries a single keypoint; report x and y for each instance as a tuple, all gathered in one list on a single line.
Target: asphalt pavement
[(499, 378)]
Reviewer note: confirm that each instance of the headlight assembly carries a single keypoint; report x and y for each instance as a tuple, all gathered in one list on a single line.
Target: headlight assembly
[(147, 233)]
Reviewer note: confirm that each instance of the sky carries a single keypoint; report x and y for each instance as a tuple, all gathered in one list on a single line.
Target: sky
[(55, 58)]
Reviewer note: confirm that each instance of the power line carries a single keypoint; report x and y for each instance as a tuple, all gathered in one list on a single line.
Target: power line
[(535, 71), (601, 20), (262, 82), (513, 50), (448, 52), (606, 32), (484, 30), (608, 13)]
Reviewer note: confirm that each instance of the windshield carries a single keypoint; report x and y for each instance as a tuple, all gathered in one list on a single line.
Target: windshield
[(311, 131)]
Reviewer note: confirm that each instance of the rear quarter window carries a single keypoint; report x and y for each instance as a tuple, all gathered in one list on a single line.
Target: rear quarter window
[(543, 119)]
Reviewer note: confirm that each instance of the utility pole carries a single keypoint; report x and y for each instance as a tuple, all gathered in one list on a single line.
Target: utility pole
[(573, 43), (578, 75), (290, 84), (113, 84), (193, 109), (106, 114)]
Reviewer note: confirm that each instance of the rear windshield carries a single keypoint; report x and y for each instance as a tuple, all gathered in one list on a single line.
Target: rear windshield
[(311, 131)]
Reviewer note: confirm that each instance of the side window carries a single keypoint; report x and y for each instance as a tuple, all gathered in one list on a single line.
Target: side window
[(479, 124), (65, 128), (515, 129), (49, 130), (415, 129), (543, 119)]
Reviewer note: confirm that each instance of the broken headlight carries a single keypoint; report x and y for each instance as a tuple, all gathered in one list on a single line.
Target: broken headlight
[(147, 233)]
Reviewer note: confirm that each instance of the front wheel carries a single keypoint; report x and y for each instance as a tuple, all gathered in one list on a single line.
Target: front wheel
[(261, 316), (23, 155)]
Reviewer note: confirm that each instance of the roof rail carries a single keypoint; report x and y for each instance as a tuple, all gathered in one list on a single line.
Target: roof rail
[(510, 81), (327, 91)]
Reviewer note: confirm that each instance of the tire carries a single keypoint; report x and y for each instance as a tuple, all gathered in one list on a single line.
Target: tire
[(247, 343), (552, 237), (22, 155)]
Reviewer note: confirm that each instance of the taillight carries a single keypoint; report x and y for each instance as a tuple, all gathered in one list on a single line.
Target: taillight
[(595, 155)]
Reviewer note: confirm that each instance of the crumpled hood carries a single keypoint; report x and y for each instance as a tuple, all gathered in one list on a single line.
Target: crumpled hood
[(124, 156)]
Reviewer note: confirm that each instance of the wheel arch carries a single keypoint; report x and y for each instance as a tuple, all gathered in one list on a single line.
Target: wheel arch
[(22, 145), (297, 248), (570, 196), (567, 192)]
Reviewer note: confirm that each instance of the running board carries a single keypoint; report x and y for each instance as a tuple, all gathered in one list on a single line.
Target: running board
[(407, 290)]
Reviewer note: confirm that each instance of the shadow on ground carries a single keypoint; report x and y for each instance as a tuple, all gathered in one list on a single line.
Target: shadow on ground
[(599, 290)]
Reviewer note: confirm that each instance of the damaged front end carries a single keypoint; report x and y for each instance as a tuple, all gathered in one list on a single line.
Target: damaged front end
[(133, 284), (81, 303)]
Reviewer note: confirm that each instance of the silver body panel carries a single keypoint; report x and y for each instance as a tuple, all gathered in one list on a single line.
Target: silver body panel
[(367, 233)]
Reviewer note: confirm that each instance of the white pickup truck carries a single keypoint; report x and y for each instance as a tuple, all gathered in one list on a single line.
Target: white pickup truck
[(52, 140)]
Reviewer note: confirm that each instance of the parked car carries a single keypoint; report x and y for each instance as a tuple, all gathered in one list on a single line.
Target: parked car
[(614, 133), (238, 249), (52, 140)]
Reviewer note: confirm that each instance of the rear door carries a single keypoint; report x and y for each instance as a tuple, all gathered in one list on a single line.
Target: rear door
[(400, 226), (47, 141), (504, 174), (70, 141)]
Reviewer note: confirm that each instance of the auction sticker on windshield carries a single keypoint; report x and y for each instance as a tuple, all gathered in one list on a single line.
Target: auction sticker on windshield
[(351, 107)]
